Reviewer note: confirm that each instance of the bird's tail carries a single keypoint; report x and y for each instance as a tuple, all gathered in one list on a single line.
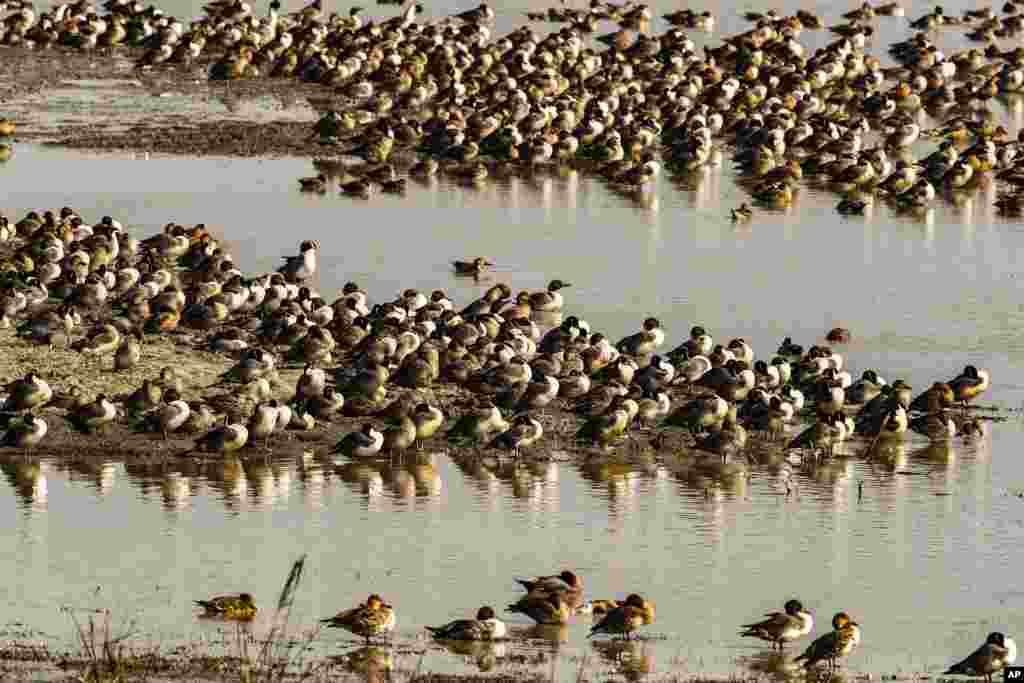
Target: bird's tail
[(955, 669)]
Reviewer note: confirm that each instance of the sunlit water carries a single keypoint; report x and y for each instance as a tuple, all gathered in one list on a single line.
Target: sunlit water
[(928, 561)]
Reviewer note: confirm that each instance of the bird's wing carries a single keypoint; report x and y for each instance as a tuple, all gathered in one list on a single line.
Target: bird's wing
[(775, 620), (823, 647)]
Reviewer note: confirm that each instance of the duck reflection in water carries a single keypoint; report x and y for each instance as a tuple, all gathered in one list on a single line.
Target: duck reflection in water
[(374, 662), (483, 654), (633, 658), (28, 479)]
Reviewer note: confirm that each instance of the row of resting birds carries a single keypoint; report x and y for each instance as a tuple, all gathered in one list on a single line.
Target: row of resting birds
[(555, 599), (464, 99), (94, 289), (514, 362)]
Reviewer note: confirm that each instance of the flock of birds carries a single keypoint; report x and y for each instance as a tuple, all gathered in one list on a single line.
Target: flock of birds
[(509, 360), (553, 600), (467, 102)]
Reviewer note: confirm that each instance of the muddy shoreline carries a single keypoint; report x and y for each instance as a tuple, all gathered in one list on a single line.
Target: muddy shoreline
[(216, 123), (100, 102), (27, 660)]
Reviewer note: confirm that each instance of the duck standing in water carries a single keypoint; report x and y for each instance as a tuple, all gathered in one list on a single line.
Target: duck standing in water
[(782, 627), (837, 643), (368, 620), (486, 626), (624, 620), (474, 268)]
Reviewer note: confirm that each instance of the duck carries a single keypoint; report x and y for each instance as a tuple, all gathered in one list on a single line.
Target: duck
[(524, 432), (365, 443), (604, 429), (550, 300), (240, 606), (565, 582), (486, 626), (822, 435), (474, 267), (864, 389), (171, 416), (831, 647), (600, 608), (399, 436), (793, 623), (27, 393), (969, 384), (374, 618), (478, 425), (994, 655), (644, 342), (700, 414), (547, 609), (428, 421), (227, 438), (938, 396), (92, 417), (304, 266), (104, 340), (937, 425), (24, 433), (741, 214), (129, 352), (623, 620), (317, 184), (788, 349)]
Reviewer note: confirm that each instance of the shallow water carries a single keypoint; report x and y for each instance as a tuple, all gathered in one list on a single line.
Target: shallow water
[(928, 561)]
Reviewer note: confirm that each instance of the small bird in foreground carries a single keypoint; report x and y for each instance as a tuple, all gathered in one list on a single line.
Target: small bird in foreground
[(240, 606), (474, 267), (995, 654), (486, 626), (623, 620), (835, 644), (781, 627), (368, 620), (544, 609)]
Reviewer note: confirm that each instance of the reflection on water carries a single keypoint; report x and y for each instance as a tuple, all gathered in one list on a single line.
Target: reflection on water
[(700, 542)]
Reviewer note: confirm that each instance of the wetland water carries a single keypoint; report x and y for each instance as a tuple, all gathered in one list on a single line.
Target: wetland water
[(928, 561)]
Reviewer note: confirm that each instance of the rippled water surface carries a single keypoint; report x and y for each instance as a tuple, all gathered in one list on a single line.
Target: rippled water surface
[(928, 560)]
